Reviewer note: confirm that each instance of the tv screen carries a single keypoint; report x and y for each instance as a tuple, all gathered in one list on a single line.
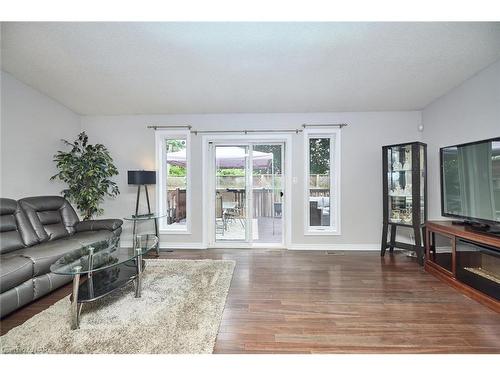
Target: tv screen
[(470, 181)]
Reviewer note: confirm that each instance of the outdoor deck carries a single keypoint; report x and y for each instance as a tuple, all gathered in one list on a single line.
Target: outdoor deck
[(262, 230)]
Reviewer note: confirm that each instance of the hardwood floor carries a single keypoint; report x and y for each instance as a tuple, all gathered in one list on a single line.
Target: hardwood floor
[(345, 302)]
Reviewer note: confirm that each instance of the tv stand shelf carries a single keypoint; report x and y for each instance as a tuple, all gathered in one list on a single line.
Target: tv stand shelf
[(466, 259)]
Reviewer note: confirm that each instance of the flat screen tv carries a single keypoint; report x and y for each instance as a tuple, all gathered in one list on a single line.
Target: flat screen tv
[(470, 182)]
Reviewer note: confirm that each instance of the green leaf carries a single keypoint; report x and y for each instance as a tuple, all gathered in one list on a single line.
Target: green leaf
[(86, 169)]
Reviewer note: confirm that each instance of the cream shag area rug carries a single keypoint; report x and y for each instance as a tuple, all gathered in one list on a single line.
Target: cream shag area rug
[(179, 312)]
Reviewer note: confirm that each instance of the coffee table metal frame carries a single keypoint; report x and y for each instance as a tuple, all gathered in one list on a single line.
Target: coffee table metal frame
[(130, 273)]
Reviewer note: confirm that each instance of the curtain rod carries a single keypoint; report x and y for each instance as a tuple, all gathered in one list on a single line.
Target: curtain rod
[(296, 131), (169, 127), (318, 125)]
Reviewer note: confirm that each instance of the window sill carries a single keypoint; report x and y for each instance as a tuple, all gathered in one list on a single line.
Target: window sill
[(330, 232)]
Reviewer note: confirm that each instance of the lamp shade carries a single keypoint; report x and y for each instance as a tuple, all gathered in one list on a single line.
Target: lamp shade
[(141, 177)]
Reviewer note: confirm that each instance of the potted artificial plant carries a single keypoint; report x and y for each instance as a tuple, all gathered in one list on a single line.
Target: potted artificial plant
[(87, 170)]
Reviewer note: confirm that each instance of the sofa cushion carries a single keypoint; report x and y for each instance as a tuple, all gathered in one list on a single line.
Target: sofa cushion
[(45, 254), (52, 217), (14, 270), (16, 231), (46, 283), (16, 297)]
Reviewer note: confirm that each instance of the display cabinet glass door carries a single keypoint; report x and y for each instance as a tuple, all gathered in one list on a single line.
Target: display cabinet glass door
[(400, 184)]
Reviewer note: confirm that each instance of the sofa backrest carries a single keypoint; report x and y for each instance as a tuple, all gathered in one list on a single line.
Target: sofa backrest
[(16, 231), (52, 217)]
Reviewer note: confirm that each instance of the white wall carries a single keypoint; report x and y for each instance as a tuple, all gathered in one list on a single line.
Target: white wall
[(470, 112), (132, 146), (33, 124), (31, 128)]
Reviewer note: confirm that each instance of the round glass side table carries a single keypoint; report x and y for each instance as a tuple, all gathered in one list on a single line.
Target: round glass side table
[(136, 219)]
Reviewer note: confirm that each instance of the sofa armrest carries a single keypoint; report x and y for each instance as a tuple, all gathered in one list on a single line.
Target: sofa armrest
[(106, 224)]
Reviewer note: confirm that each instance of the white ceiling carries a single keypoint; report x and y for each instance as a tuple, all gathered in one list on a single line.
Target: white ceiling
[(152, 68)]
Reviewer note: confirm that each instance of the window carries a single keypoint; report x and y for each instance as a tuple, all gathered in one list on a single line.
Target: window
[(173, 189), (322, 181)]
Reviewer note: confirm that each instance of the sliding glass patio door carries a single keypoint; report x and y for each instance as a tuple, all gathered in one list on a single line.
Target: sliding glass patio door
[(231, 214), (267, 193), (249, 193)]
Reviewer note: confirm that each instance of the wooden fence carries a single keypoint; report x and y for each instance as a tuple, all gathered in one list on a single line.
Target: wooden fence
[(232, 189), (263, 200)]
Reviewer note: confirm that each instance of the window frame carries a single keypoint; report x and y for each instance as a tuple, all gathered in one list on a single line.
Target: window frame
[(335, 173), (161, 136)]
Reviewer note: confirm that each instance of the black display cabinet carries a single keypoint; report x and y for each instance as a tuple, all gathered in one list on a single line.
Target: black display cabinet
[(404, 195)]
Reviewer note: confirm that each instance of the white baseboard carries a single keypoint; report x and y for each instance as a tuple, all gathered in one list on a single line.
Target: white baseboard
[(335, 247), (311, 247), (173, 245)]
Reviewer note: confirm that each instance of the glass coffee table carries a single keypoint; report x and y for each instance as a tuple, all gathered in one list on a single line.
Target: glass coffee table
[(106, 266)]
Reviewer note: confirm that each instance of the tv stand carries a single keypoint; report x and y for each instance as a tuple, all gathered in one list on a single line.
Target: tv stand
[(467, 259), (478, 227)]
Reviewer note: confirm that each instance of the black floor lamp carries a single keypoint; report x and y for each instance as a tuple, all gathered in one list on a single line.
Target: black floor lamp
[(142, 178)]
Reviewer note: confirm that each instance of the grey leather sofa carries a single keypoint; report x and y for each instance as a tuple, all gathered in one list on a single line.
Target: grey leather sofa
[(34, 233)]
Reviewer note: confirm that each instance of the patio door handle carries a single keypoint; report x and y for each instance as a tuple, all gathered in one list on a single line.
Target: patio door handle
[(281, 194)]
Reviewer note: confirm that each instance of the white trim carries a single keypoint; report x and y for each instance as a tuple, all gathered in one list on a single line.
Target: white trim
[(186, 246), (336, 247), (335, 173), (205, 196), (207, 180), (320, 231), (172, 245), (174, 232), (245, 245), (236, 246), (182, 245), (160, 157)]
